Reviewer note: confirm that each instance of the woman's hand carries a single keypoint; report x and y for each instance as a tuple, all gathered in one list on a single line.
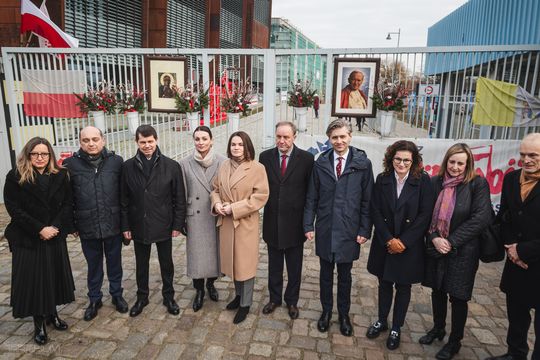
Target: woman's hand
[(220, 209), (227, 208), (48, 232), (442, 245)]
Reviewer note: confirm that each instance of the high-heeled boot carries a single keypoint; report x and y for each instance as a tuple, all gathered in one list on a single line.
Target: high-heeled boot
[(40, 330), (58, 323)]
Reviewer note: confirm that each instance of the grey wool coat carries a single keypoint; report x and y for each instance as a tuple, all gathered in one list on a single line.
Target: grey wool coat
[(202, 247)]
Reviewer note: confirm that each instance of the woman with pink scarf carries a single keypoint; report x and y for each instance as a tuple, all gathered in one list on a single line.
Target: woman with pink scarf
[(462, 212)]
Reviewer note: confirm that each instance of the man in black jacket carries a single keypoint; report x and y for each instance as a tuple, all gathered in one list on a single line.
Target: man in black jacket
[(95, 179), (518, 215), (153, 211), (288, 169)]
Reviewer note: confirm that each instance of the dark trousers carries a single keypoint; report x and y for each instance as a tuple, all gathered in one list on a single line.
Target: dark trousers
[(93, 250), (293, 258), (199, 283), (326, 282), (439, 301), (519, 320), (142, 258), (401, 302)]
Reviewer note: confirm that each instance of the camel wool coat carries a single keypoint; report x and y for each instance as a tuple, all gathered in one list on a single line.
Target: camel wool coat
[(246, 189)]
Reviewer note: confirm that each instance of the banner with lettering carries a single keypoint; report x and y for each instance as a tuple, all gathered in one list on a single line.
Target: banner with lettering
[(493, 158)]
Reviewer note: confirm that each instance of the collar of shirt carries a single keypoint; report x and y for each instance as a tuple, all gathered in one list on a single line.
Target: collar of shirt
[(402, 181), (344, 156)]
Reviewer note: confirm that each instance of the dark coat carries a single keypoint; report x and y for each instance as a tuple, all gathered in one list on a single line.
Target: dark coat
[(455, 272), (340, 207), (519, 224), (31, 210), (284, 211), (406, 218), (96, 194), (152, 208)]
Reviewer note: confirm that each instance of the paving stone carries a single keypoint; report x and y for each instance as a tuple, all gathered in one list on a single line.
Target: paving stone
[(171, 351), (485, 336), (288, 352), (303, 342), (260, 349), (99, 350)]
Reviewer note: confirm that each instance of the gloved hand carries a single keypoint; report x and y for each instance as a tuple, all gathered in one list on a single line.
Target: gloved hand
[(183, 230), (395, 246)]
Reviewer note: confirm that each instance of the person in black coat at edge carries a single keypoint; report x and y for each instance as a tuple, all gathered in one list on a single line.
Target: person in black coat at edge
[(401, 209), (288, 169), (338, 199), (95, 178), (462, 211), (153, 205), (37, 196), (520, 230)]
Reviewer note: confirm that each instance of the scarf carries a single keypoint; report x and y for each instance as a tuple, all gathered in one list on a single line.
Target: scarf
[(208, 159), (444, 207), (527, 182)]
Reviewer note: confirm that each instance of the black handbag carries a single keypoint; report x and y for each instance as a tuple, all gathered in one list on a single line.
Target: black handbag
[(491, 244)]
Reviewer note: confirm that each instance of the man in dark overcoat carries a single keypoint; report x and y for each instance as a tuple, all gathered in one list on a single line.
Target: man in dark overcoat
[(288, 169), (520, 230), (338, 199), (95, 179), (153, 211)]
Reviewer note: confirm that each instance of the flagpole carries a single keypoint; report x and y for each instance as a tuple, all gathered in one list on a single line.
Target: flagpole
[(29, 39)]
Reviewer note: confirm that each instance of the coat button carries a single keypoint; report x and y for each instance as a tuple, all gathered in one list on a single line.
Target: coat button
[(197, 198), (519, 235), (520, 212), (198, 212), (408, 220)]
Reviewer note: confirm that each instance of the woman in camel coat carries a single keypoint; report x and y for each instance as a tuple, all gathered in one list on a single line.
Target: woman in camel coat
[(240, 191)]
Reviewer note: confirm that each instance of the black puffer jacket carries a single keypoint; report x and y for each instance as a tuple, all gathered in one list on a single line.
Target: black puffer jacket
[(96, 194), (153, 207)]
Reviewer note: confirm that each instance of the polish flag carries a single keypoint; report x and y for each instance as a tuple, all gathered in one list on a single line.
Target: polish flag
[(33, 19)]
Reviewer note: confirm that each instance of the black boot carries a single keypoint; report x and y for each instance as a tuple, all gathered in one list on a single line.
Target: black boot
[(40, 330), (448, 351), (241, 314), (233, 305), (58, 323), (198, 301), (431, 335), (212, 292)]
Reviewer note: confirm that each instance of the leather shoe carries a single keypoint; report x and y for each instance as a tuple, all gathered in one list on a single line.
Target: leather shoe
[(324, 321), (448, 351), (120, 303), (293, 311), (233, 305), (92, 310), (58, 323), (172, 306), (40, 330), (241, 314), (345, 326), (269, 308), (375, 329), (138, 307), (431, 335), (198, 301), (392, 343), (504, 357), (212, 292)]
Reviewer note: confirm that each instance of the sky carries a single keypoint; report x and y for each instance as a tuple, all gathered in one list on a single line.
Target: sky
[(364, 24)]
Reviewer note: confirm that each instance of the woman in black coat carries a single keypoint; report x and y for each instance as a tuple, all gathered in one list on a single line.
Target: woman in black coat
[(462, 212), (401, 208), (37, 196)]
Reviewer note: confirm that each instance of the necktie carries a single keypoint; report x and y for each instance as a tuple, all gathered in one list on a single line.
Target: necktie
[(283, 164), (338, 167)]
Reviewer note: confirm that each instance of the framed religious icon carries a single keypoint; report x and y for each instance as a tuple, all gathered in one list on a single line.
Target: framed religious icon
[(354, 84), (163, 75)]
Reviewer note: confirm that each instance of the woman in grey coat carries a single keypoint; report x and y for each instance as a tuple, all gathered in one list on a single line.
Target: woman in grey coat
[(202, 247)]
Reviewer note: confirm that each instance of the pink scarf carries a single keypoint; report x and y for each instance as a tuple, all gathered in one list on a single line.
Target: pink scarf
[(444, 207)]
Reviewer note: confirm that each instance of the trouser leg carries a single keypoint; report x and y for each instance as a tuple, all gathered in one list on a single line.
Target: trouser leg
[(142, 258), (439, 301), (164, 249), (344, 288), (401, 304), (519, 320), (244, 289), (113, 254), (93, 253), (293, 258), (386, 293), (459, 318), (326, 283), (275, 274)]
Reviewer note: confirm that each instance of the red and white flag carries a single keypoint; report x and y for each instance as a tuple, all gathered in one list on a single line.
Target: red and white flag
[(51, 93), (33, 19)]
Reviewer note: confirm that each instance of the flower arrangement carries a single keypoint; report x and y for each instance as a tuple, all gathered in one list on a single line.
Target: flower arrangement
[(190, 99), (129, 99), (100, 98), (388, 97), (301, 95), (237, 97)]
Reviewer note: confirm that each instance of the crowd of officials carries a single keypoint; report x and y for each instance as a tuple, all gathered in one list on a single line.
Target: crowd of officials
[(423, 230)]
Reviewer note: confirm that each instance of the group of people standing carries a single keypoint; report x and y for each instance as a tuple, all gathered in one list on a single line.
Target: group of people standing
[(426, 230)]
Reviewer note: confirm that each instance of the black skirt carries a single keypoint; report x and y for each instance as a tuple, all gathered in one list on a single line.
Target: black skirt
[(41, 278)]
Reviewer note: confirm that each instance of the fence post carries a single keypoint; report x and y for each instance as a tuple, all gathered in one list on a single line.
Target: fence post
[(269, 97), (206, 82)]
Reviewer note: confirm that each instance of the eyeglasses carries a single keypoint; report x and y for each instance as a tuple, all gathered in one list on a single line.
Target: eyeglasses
[(35, 155), (406, 162)]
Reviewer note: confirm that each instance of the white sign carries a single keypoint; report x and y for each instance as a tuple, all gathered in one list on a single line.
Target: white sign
[(428, 90)]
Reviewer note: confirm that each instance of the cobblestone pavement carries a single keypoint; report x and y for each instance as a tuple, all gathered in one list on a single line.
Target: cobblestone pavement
[(210, 334)]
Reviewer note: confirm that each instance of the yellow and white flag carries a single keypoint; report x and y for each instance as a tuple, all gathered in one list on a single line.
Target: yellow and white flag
[(500, 103)]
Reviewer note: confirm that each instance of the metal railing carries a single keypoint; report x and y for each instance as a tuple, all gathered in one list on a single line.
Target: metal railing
[(444, 114)]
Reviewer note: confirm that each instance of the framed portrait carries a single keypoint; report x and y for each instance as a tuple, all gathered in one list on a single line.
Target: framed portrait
[(162, 73), (354, 83)]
